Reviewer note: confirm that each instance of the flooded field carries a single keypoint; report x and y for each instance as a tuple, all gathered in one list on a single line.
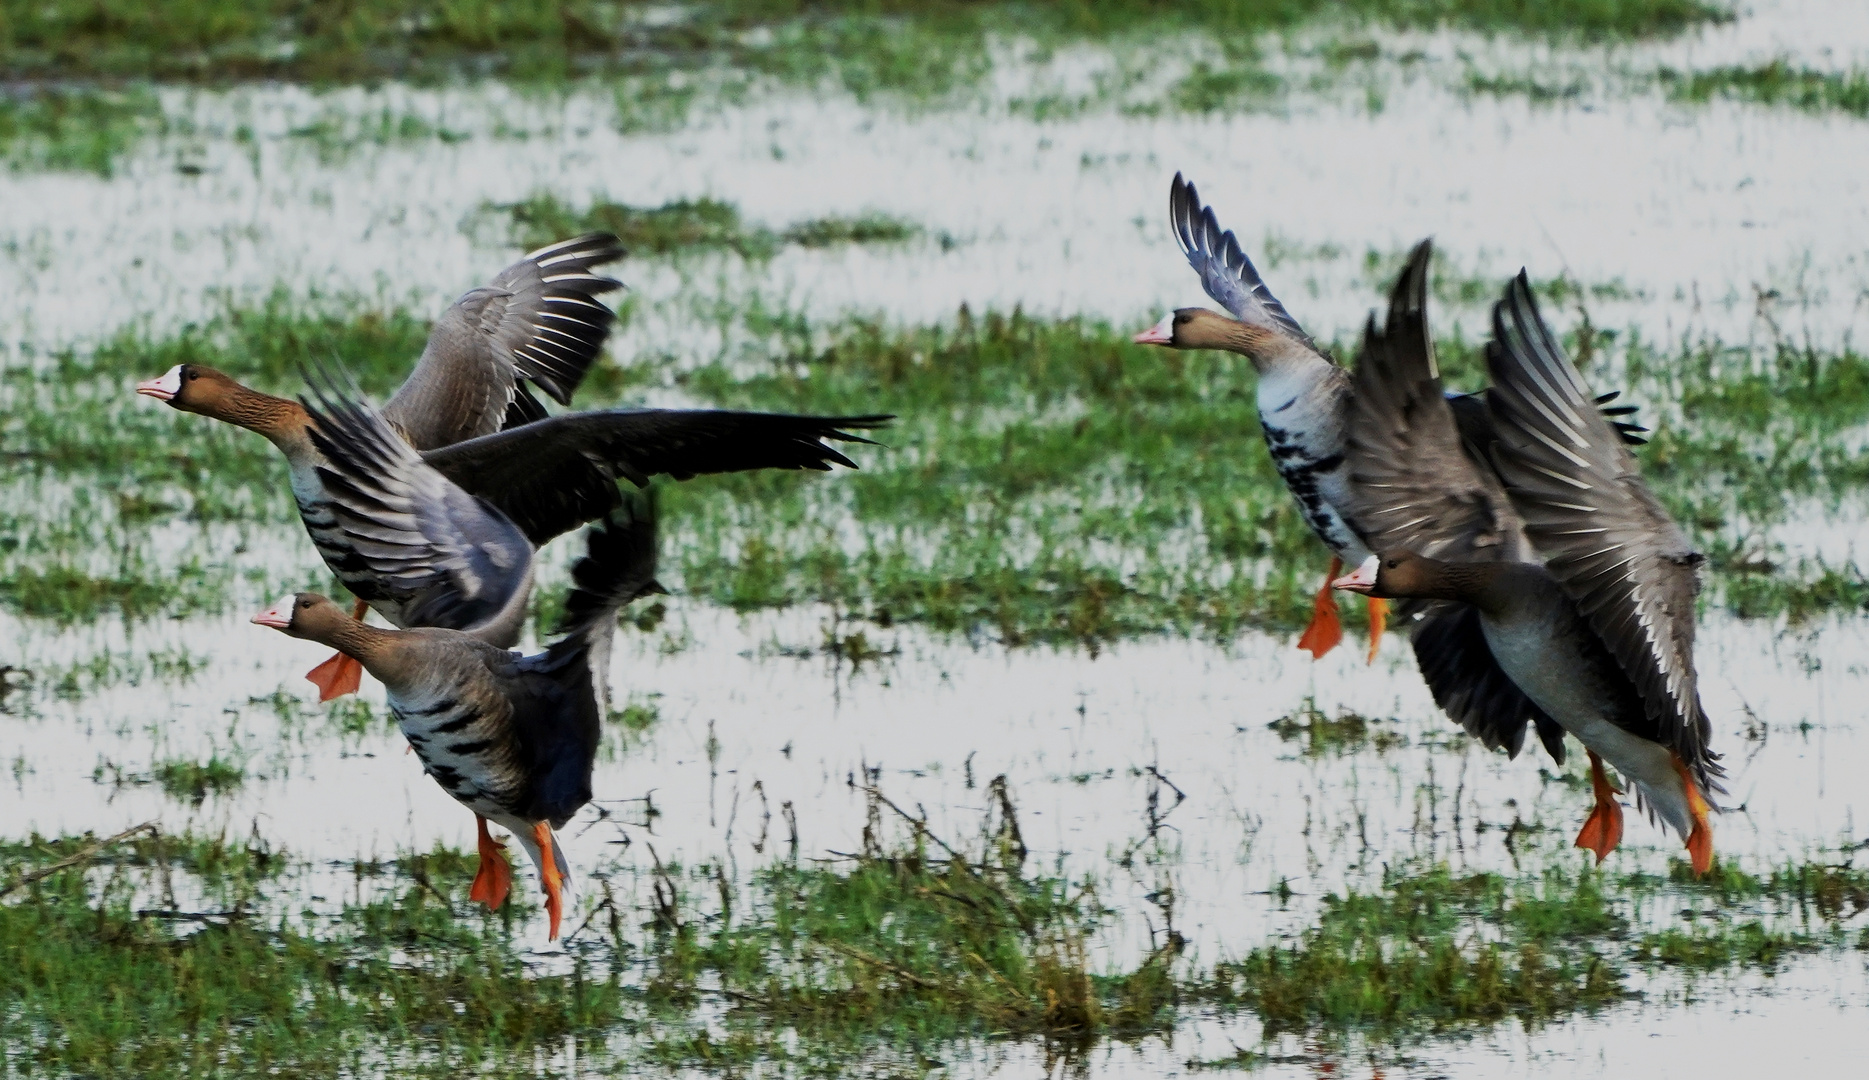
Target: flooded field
[(995, 756)]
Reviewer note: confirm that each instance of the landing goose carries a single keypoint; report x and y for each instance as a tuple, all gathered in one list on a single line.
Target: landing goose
[(1596, 638), (510, 737)]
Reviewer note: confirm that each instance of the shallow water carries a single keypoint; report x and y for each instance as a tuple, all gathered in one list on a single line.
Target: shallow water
[(1695, 210), (1692, 210)]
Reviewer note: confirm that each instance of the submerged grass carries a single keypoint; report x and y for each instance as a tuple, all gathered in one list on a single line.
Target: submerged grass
[(923, 43), (685, 226), (1779, 82), (73, 130)]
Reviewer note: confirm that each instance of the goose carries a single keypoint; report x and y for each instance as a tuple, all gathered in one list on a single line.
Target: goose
[(510, 737), (1302, 395), (547, 474), (1595, 639)]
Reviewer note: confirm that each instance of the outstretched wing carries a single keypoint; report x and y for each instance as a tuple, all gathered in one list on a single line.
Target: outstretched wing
[(414, 537), (1226, 273), (1618, 553), (538, 320), (551, 476), (1415, 487)]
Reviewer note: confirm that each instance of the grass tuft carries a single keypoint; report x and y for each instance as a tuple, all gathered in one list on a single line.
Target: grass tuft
[(686, 226)]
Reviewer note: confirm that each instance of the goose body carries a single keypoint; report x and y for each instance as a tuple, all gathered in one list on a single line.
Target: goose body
[(1546, 585), (1302, 413)]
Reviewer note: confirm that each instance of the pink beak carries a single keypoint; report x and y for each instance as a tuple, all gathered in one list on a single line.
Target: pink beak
[(279, 616), (164, 387), (1360, 580), (1162, 333)]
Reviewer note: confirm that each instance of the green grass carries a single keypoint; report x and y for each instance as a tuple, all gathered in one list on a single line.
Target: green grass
[(192, 781), (103, 979), (1049, 482), (866, 44), (1776, 83), (73, 130), (1433, 951), (893, 955), (685, 226)]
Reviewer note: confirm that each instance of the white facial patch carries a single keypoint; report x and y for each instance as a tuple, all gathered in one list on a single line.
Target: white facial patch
[(164, 388), (279, 616)]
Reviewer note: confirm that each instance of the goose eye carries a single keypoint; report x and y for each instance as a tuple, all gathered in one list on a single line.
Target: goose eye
[(1393, 563), (190, 374), (304, 604)]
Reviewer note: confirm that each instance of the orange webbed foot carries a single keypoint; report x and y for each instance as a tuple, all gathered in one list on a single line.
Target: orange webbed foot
[(336, 677), (1700, 839), (1326, 629), (339, 675), (1378, 621), (1602, 830), (549, 876), (495, 877)]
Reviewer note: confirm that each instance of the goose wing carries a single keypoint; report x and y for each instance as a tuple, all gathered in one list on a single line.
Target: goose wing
[(551, 476), (539, 320), (1415, 487), (414, 537), (1618, 553), (1226, 273)]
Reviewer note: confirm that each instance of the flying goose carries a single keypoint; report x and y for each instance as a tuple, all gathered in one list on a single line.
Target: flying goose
[(1560, 592)]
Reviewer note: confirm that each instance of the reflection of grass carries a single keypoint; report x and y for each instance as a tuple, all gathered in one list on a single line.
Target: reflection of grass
[(691, 225), (866, 44)]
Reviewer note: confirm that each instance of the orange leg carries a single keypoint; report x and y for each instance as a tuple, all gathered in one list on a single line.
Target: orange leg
[(549, 877), (1378, 619), (495, 877), (1602, 831), (339, 675), (1326, 630), (1700, 840)]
